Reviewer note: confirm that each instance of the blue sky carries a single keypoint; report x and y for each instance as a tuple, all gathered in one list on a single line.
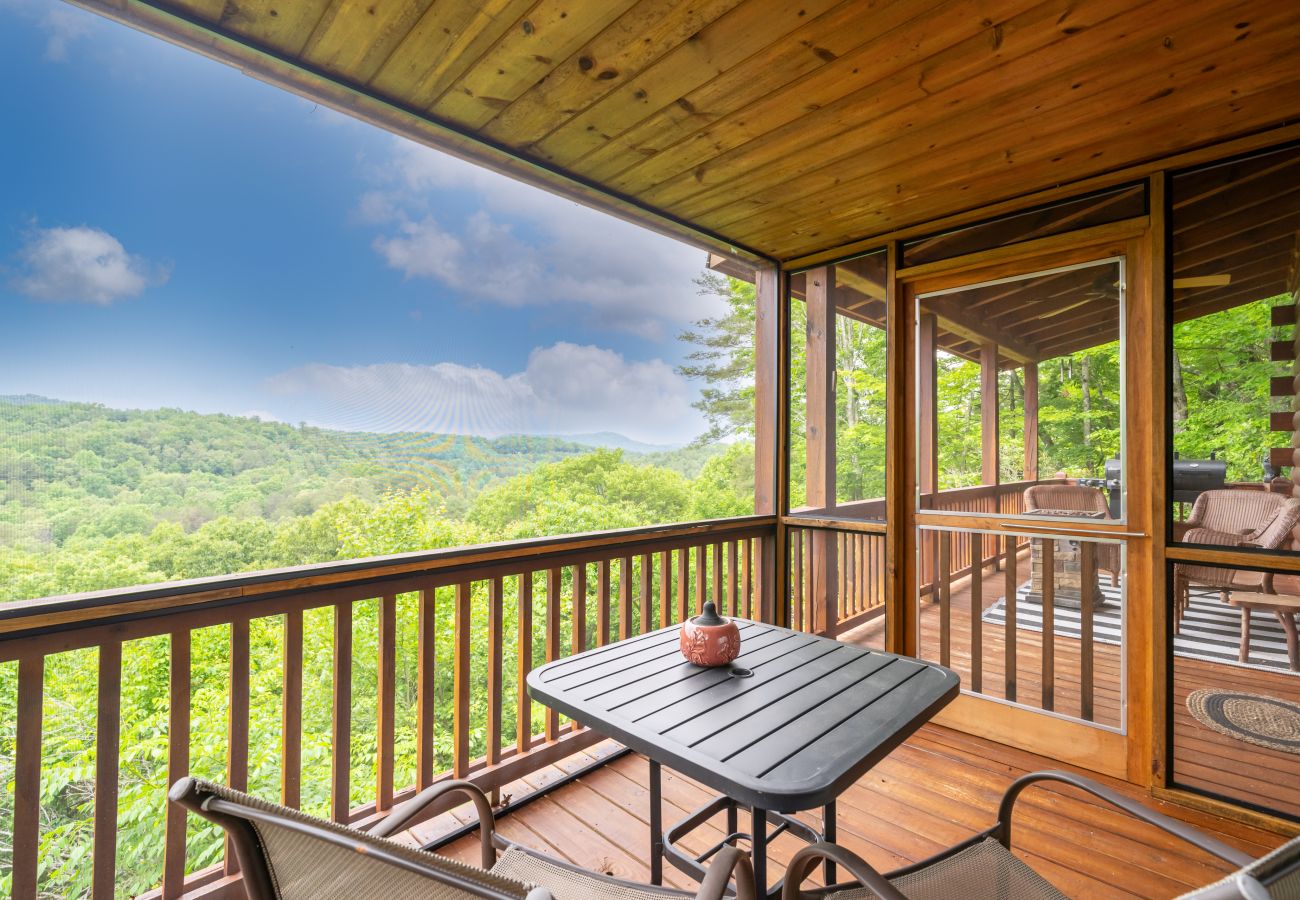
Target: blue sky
[(173, 233)]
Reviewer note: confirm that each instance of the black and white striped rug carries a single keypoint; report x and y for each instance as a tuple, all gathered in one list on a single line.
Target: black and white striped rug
[(1211, 629)]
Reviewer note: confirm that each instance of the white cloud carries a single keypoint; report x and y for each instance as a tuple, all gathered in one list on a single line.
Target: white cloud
[(526, 247), (564, 389), (81, 265), (63, 25)]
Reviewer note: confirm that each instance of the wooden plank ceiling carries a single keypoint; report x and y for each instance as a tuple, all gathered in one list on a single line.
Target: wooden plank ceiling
[(1236, 240), (788, 128)]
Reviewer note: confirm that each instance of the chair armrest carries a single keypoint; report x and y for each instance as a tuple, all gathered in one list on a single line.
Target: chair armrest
[(1193, 836), (803, 862), (1211, 536), (403, 813), (729, 861)]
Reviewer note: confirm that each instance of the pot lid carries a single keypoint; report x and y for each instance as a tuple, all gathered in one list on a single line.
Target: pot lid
[(709, 616)]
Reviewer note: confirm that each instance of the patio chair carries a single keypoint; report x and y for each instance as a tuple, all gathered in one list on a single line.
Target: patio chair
[(1233, 511), (288, 855), (983, 866), (1270, 534), (1059, 499)]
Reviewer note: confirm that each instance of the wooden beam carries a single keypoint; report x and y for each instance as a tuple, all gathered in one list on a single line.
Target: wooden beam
[(960, 322), (1031, 421), (820, 443), (989, 444), (927, 403), (766, 379)]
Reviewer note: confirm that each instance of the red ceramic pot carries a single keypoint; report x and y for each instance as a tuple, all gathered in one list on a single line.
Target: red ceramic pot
[(710, 640)]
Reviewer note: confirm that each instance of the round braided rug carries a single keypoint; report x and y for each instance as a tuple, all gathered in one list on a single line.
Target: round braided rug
[(1254, 718)]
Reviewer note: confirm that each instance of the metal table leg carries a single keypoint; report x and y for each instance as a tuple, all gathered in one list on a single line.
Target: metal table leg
[(828, 835), (656, 827), (759, 845)]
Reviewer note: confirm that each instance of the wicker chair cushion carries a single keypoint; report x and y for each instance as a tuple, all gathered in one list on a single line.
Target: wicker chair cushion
[(986, 870), (1285, 888), (571, 883), (304, 867)]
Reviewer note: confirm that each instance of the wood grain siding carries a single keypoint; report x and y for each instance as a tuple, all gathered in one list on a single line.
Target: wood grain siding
[(772, 128)]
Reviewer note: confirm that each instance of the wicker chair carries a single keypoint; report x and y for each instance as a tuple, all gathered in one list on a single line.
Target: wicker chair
[(287, 855), (984, 866), (1059, 499), (1234, 511), (1238, 530)]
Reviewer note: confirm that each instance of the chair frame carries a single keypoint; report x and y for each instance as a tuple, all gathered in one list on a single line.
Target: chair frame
[(237, 818), (809, 857)]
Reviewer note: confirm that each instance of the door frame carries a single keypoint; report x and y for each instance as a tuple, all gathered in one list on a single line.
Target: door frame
[(1133, 755)]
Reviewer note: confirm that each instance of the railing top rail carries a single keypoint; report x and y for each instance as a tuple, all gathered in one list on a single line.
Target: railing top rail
[(99, 607)]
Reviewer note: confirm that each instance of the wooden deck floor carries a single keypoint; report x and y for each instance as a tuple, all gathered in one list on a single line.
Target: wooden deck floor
[(936, 789), (1203, 759)]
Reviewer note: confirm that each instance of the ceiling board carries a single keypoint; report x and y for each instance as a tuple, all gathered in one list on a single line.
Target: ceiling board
[(786, 129)]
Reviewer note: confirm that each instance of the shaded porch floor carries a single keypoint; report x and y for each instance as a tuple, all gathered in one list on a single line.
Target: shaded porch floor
[(1204, 759), (938, 788)]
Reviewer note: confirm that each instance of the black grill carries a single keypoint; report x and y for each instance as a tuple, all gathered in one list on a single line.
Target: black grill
[(1193, 477)]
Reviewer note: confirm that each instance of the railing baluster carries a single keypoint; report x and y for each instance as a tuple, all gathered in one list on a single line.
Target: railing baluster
[(554, 578), (1087, 587), (341, 730), (524, 703), (291, 713), (178, 763), (426, 664), (647, 601), (580, 607), (977, 613), (27, 776), (1048, 591), (717, 577), (624, 597), (1009, 609), (796, 582), (602, 603), (107, 741), (733, 586), (701, 567), (387, 689), (747, 578), (683, 582), (237, 746), (579, 617), (945, 598), (461, 681), (665, 588), (496, 607), (839, 540)]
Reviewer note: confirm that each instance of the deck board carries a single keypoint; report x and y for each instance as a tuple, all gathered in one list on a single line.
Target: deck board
[(1203, 759), (937, 788)]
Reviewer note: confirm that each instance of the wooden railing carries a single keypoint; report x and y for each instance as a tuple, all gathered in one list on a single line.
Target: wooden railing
[(853, 563), (418, 660)]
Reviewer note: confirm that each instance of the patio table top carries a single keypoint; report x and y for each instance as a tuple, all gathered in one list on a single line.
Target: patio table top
[(788, 726)]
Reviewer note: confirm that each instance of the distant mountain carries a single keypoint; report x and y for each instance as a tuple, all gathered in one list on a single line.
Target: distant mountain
[(28, 399), (614, 441)]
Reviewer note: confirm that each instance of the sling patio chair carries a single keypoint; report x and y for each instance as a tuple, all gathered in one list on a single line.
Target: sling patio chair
[(983, 866), (288, 855)]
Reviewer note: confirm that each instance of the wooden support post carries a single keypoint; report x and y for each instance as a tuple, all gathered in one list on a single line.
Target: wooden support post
[(1031, 421), (820, 419), (989, 443), (768, 431), (926, 390)]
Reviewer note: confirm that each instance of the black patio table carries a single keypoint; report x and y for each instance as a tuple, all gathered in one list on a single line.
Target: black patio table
[(787, 727)]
